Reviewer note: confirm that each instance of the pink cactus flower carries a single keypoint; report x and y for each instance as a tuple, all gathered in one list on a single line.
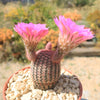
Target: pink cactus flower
[(31, 32), (71, 34)]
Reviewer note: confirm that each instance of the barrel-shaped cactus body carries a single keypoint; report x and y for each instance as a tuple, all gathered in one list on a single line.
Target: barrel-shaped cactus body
[(45, 73)]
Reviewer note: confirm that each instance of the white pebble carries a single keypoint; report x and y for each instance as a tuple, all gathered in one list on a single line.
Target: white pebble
[(27, 96), (75, 97)]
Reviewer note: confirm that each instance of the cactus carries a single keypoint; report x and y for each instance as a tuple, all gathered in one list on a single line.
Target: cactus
[(45, 63), (45, 72)]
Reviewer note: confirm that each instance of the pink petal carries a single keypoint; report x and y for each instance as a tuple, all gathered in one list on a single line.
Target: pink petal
[(72, 31), (31, 31)]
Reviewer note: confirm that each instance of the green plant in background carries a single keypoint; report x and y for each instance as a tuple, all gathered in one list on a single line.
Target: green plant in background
[(94, 20), (18, 52), (94, 17), (17, 15), (11, 46), (81, 2), (96, 5), (72, 3), (41, 0), (5, 46), (1, 14), (40, 12), (64, 3), (50, 23)]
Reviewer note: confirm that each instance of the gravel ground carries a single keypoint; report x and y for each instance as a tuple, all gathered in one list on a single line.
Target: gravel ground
[(20, 87), (86, 68)]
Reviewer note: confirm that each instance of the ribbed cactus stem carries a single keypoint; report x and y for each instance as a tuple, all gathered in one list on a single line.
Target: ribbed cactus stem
[(45, 73)]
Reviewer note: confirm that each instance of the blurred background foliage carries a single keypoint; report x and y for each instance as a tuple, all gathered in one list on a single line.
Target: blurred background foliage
[(85, 12)]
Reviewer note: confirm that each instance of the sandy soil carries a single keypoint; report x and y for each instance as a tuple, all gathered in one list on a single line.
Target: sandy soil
[(86, 68)]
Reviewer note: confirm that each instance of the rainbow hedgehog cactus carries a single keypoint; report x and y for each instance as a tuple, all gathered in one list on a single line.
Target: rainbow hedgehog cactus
[(45, 63)]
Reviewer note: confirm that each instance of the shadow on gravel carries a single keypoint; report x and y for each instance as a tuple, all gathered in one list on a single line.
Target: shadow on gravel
[(84, 99)]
